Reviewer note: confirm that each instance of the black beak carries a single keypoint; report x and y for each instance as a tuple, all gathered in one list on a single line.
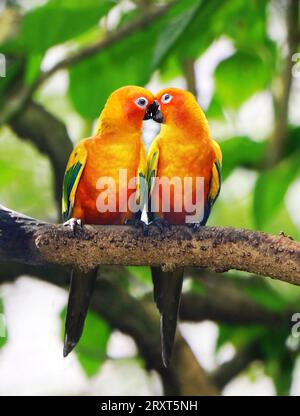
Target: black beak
[(154, 113)]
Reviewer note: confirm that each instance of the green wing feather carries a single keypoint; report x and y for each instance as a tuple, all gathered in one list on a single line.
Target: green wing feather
[(73, 173), (215, 183), (152, 164)]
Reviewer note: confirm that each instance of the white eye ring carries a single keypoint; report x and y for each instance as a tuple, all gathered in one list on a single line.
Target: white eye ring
[(141, 102), (166, 98)]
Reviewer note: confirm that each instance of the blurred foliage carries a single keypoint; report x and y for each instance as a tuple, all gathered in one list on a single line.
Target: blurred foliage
[(32, 191), (253, 195)]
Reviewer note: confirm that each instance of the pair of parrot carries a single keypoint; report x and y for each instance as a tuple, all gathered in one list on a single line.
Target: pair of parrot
[(183, 148)]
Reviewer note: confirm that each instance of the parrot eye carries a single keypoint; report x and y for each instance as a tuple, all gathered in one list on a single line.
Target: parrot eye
[(166, 98), (141, 102)]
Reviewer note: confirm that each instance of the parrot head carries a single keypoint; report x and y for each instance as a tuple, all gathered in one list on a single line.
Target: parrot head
[(126, 108), (176, 107)]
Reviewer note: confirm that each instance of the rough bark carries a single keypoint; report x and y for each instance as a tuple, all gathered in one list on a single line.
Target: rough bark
[(28, 241)]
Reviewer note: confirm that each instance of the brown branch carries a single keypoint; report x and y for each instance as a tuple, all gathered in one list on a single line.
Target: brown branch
[(230, 369), (112, 38), (28, 241), (190, 76), (231, 309), (50, 136), (227, 300), (137, 318), (215, 304), (15, 105), (140, 320), (282, 86)]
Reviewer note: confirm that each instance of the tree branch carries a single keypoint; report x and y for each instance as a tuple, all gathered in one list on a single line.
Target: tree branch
[(282, 85), (28, 241), (137, 318), (20, 100), (229, 309), (140, 320), (112, 38), (188, 67), (50, 136), (230, 369), (218, 305)]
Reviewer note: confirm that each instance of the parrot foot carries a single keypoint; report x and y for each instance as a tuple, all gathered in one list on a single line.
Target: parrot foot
[(161, 224), (73, 223), (138, 223), (195, 226)]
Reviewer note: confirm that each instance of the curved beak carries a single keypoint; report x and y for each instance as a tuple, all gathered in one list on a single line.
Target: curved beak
[(154, 112)]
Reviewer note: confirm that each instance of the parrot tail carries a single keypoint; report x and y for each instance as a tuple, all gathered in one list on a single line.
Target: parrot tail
[(81, 290), (167, 293)]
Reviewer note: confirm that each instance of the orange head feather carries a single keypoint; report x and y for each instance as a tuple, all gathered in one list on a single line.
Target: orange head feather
[(125, 109), (179, 108)]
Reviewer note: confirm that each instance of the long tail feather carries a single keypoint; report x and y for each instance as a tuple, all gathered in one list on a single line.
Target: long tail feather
[(81, 290), (167, 293)]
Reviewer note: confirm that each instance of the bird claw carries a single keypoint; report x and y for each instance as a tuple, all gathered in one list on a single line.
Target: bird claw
[(195, 226), (73, 223), (137, 223), (161, 224)]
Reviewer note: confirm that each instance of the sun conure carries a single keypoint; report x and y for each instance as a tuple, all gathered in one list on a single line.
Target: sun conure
[(116, 144), (183, 148)]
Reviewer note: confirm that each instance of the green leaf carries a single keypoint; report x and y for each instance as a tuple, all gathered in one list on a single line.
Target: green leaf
[(292, 144), (215, 109), (3, 331), (270, 189), (172, 32), (197, 287), (142, 273), (238, 335), (247, 26), (26, 178), (188, 31), (33, 65), (123, 63), (126, 62), (265, 296), (60, 20), (91, 349), (239, 77), (241, 151), (169, 69), (281, 371), (279, 361)]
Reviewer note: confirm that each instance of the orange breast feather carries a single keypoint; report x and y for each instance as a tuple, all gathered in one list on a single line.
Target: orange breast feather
[(106, 156), (182, 157)]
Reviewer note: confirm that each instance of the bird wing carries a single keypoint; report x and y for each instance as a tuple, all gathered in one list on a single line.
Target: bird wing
[(215, 182), (152, 164), (141, 189), (73, 173)]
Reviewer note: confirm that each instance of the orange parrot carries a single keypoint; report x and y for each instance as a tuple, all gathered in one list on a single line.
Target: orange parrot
[(117, 144), (183, 149)]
